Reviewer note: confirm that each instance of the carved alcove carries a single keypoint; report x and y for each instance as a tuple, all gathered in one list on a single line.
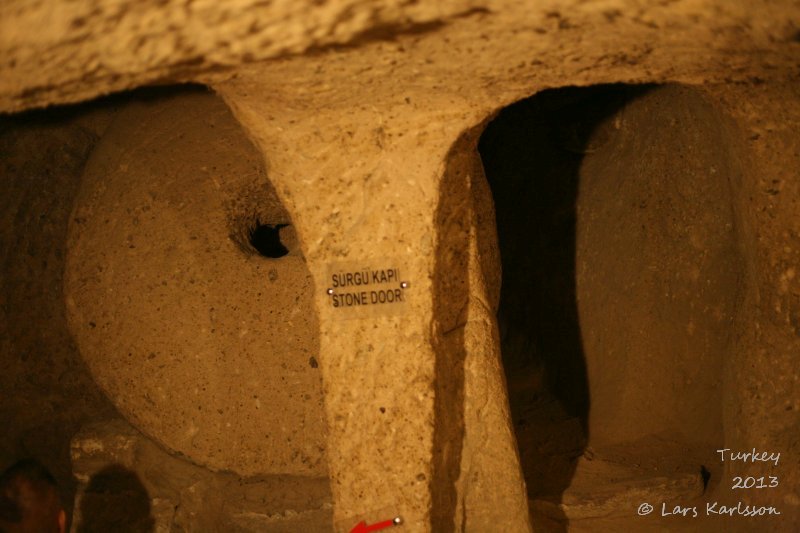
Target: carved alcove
[(622, 276)]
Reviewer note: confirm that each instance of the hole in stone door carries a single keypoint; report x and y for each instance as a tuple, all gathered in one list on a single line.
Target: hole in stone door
[(620, 276), (266, 239)]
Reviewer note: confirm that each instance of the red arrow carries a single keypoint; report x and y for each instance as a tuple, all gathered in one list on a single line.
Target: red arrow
[(362, 526)]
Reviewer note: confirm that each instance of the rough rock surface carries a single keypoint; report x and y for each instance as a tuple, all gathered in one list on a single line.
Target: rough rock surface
[(97, 47), (198, 339), (128, 483), (47, 392), (367, 115)]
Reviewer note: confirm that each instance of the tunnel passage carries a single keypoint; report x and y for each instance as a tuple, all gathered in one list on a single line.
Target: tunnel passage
[(621, 273), (188, 293)]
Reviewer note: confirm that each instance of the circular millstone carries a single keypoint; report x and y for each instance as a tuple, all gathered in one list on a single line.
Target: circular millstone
[(201, 342)]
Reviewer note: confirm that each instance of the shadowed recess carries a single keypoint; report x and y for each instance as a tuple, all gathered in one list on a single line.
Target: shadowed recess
[(115, 500), (532, 153), (450, 299), (47, 392)]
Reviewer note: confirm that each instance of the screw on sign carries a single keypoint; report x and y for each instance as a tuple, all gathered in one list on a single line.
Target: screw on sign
[(362, 526)]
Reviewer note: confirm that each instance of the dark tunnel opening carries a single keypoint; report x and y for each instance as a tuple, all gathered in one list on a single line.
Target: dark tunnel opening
[(621, 276), (532, 154)]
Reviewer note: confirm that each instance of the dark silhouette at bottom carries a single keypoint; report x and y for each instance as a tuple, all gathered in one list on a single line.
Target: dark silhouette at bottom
[(115, 500)]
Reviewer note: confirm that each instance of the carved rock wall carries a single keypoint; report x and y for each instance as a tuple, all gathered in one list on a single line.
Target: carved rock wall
[(366, 117)]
